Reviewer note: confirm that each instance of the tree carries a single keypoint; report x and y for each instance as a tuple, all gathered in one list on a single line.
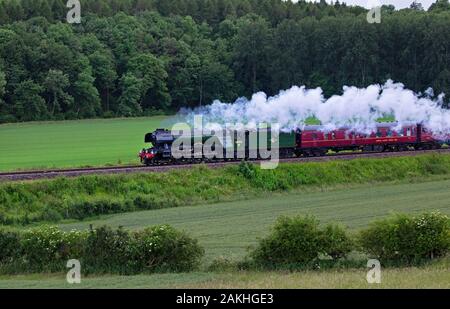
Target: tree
[(251, 51), (4, 18), (56, 84), (417, 6), (171, 54), (150, 70), (14, 10), (440, 6), (105, 74), (86, 97), (290, 62), (2, 84), (28, 102), (3, 108), (129, 101)]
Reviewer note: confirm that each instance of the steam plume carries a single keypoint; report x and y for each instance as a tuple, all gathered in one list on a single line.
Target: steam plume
[(357, 108)]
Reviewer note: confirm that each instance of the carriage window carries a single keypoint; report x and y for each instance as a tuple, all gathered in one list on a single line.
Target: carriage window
[(408, 132), (390, 133), (379, 134), (333, 135)]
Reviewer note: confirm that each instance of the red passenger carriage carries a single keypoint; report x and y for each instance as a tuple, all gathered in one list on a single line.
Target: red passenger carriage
[(315, 140)]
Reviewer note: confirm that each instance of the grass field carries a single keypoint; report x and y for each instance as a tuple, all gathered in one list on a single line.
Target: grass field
[(95, 142), (73, 143), (227, 229), (432, 276)]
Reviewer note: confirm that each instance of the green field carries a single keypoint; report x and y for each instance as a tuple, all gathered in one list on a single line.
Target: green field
[(73, 143), (227, 229), (431, 276)]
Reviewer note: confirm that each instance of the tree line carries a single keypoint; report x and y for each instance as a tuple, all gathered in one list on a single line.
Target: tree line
[(143, 57)]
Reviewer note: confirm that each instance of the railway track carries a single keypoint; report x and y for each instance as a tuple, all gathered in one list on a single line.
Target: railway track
[(48, 174)]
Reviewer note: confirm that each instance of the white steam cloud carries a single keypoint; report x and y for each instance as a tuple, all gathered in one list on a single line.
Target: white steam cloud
[(357, 108)]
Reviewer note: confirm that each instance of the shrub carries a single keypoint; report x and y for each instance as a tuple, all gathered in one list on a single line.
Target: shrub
[(107, 250), (86, 208), (162, 248), (335, 241), (407, 239), (300, 241), (9, 246), (48, 248), (103, 250)]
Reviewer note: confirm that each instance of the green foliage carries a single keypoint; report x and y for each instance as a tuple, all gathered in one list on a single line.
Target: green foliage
[(300, 241), (407, 239), (2, 84), (336, 242), (48, 248), (87, 97), (162, 248), (56, 84), (103, 250), (440, 6), (131, 58), (29, 104), (10, 246), (129, 102), (90, 196), (150, 71)]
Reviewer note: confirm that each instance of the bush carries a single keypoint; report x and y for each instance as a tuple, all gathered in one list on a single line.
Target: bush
[(407, 239), (300, 241), (162, 248), (335, 242), (103, 250), (107, 250), (9, 246), (48, 248)]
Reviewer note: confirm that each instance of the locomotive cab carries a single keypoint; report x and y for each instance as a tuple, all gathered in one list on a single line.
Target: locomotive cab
[(162, 141), (148, 155)]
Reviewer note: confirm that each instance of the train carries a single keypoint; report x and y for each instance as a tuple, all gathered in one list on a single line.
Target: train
[(311, 141)]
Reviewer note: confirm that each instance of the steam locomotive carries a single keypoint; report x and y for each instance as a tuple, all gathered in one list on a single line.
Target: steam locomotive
[(309, 142)]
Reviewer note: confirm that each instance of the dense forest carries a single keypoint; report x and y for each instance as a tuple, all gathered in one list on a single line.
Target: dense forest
[(142, 57)]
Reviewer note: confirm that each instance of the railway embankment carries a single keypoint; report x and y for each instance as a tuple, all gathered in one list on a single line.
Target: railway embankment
[(78, 198)]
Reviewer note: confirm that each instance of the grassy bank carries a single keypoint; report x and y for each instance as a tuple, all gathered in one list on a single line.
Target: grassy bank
[(435, 275), (89, 196), (73, 143)]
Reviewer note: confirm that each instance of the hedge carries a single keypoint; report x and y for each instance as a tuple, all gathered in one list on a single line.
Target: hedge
[(103, 250), (407, 239), (300, 241)]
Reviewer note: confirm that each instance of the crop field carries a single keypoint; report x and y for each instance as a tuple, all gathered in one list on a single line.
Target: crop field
[(227, 229), (430, 276), (73, 143)]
